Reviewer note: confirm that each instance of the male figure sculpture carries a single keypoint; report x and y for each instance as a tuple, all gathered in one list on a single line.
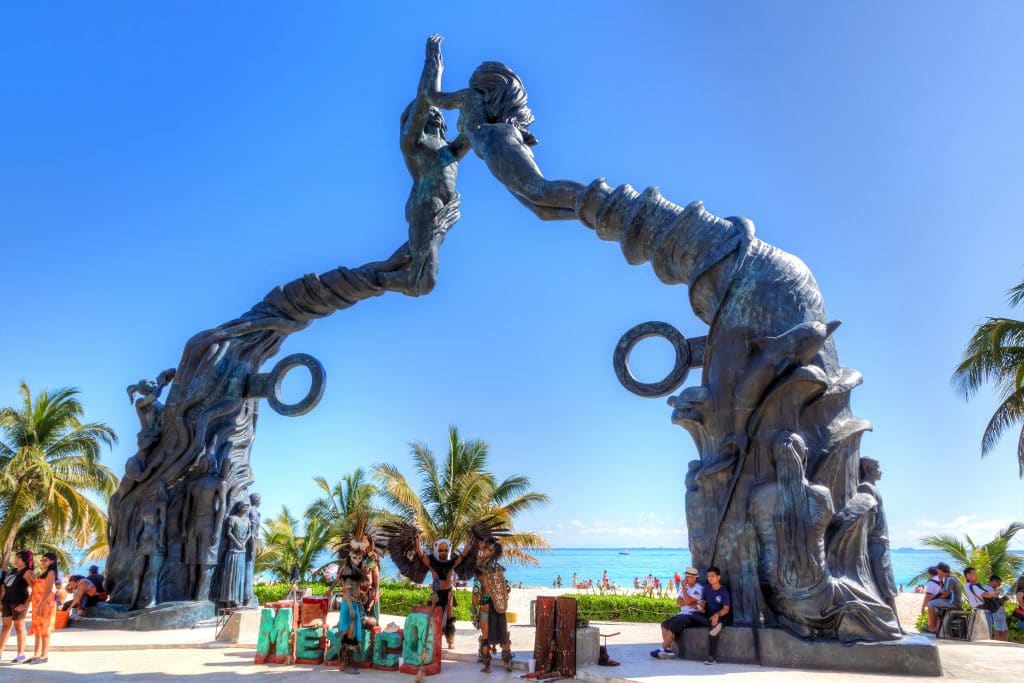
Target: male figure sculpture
[(252, 545), (878, 536), (433, 204), (152, 545), (202, 520)]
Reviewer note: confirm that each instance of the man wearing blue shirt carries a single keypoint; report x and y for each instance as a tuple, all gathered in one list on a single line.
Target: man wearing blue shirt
[(716, 600)]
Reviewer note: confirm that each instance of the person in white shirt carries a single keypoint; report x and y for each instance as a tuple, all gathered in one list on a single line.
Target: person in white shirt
[(976, 595), (691, 613), (931, 588)]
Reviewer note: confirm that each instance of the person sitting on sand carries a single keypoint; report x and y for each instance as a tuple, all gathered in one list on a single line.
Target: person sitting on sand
[(691, 606)]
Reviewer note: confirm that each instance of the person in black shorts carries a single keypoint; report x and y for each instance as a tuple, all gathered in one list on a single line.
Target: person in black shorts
[(691, 607), (17, 593)]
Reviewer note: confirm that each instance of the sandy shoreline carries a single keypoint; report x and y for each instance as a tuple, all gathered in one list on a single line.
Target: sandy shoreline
[(907, 604)]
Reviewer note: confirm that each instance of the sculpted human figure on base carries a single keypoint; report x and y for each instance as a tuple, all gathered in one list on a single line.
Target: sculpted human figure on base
[(252, 545), (878, 537), (232, 589), (433, 204), (494, 116), (790, 516), (201, 522), (148, 408), (139, 466), (152, 546)]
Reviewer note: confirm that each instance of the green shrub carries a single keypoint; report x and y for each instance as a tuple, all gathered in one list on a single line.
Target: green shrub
[(272, 592), (630, 608), (396, 598), (399, 601)]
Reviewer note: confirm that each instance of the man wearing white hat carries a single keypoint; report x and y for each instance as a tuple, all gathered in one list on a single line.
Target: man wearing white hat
[(691, 608)]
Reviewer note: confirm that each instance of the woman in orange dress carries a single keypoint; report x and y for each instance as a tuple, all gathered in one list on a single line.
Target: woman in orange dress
[(44, 607)]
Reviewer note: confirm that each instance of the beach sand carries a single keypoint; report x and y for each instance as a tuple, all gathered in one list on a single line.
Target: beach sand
[(908, 604)]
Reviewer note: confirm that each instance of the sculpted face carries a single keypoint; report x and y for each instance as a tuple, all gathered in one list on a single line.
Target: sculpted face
[(435, 124)]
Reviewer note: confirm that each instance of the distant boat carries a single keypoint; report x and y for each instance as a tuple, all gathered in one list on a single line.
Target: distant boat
[(623, 552)]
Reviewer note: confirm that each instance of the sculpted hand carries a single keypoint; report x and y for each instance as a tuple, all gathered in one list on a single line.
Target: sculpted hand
[(434, 49)]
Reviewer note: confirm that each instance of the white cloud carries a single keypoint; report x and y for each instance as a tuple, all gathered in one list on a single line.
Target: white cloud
[(980, 530)]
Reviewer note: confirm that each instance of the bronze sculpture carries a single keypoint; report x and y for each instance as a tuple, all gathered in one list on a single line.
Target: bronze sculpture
[(204, 510), (878, 536), (433, 204), (152, 546), (776, 439), (252, 546), (233, 590)]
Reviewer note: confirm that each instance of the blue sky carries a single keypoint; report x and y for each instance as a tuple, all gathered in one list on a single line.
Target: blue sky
[(163, 166)]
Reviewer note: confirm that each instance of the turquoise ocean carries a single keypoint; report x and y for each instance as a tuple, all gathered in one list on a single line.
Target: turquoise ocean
[(623, 564)]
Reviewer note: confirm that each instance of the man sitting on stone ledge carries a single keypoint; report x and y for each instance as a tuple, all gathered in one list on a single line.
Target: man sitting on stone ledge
[(716, 599), (950, 597), (691, 607)]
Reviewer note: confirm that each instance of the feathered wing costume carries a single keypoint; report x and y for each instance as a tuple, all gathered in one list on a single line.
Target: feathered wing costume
[(442, 563), (359, 576)]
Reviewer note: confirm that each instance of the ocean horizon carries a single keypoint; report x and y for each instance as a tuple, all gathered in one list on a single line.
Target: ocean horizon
[(623, 564)]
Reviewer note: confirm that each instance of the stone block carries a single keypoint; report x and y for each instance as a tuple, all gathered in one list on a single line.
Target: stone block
[(588, 646), (913, 655), (243, 626), (735, 644), (166, 615)]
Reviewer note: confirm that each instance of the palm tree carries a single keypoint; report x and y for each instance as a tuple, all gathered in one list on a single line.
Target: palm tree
[(49, 464), (996, 353), (337, 508), (283, 549), (989, 559), (460, 491)]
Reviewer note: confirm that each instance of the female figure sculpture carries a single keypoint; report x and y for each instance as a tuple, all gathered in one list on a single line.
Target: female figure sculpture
[(494, 117), (790, 516), (237, 532)]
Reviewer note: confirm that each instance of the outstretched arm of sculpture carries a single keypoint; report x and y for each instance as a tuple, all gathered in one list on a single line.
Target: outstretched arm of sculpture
[(431, 80), (495, 117)]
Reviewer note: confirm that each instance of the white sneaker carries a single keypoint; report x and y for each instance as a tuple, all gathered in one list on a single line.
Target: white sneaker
[(666, 654), (716, 629)]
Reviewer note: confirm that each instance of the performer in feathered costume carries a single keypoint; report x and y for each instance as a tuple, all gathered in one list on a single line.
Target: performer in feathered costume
[(405, 543), (359, 575), (490, 601)]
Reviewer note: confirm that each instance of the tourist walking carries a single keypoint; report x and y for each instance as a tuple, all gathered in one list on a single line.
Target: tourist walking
[(44, 607), (17, 590)]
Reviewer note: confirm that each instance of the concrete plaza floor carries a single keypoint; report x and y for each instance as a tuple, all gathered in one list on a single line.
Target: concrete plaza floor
[(192, 655)]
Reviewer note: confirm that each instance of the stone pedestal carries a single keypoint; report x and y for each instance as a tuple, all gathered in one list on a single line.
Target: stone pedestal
[(243, 626), (166, 615), (913, 655), (734, 645), (588, 646)]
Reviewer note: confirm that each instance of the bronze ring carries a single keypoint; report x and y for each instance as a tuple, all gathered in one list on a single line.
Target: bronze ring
[(638, 333)]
